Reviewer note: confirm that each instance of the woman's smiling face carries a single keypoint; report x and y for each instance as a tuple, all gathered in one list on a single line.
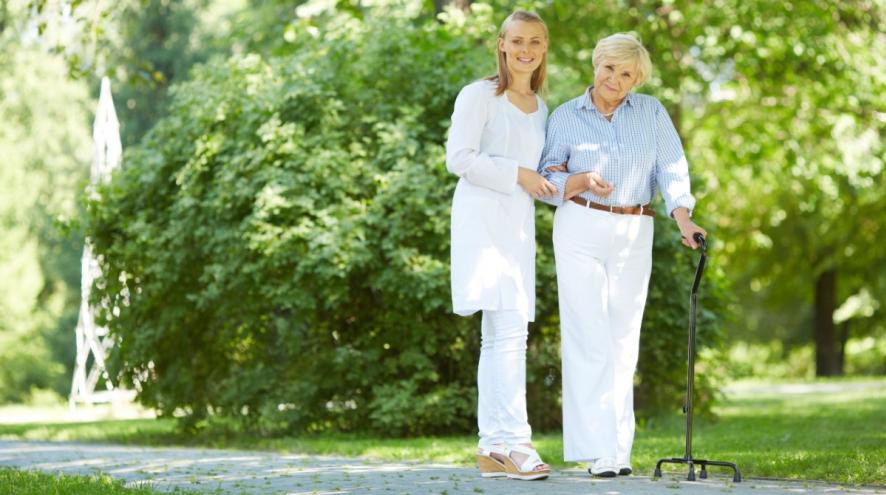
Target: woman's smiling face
[(612, 81), (524, 45)]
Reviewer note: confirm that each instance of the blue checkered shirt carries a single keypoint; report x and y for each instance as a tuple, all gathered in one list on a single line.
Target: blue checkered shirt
[(639, 151)]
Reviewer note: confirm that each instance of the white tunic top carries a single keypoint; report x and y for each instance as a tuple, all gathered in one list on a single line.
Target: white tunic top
[(493, 218)]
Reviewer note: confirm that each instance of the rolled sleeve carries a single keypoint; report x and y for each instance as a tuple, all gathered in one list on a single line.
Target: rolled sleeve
[(671, 167), (555, 152), (463, 155)]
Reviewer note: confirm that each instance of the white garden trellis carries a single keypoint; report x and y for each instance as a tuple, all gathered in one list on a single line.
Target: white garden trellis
[(93, 340)]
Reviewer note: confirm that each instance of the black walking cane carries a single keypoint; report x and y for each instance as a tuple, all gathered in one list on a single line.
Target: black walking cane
[(687, 404)]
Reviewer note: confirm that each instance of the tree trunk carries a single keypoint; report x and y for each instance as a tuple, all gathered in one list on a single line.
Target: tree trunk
[(827, 350)]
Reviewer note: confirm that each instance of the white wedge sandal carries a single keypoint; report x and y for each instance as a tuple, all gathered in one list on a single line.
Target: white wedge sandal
[(526, 470)]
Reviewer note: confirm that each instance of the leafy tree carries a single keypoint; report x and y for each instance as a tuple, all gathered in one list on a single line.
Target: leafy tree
[(142, 45), (794, 145), (45, 144), (160, 41)]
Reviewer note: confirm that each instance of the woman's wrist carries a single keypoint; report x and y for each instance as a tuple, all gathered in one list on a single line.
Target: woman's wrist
[(681, 215), (521, 174)]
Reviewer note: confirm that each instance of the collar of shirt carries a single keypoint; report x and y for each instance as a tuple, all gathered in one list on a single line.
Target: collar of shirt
[(586, 103)]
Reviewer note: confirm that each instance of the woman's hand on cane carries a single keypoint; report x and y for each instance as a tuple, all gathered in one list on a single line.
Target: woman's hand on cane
[(687, 227)]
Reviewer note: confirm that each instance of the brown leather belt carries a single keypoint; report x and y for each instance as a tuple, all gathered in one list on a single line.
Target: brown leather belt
[(624, 210)]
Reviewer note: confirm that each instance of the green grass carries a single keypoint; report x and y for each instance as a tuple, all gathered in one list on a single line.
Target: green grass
[(13, 481), (837, 436)]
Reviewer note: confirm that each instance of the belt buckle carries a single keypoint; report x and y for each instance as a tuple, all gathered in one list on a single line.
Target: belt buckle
[(610, 209)]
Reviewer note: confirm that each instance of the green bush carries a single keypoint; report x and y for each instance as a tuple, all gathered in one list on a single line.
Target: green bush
[(277, 247)]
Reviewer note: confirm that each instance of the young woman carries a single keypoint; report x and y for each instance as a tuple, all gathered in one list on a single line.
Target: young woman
[(494, 145)]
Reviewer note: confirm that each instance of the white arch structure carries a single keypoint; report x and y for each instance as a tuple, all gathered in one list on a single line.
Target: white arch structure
[(93, 340)]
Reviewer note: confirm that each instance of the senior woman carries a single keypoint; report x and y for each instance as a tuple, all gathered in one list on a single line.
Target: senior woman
[(620, 147)]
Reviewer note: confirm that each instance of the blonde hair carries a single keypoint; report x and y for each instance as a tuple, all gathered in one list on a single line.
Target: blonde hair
[(624, 48), (503, 77)]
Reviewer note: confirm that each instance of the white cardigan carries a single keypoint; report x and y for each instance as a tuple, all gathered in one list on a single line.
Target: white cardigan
[(493, 219)]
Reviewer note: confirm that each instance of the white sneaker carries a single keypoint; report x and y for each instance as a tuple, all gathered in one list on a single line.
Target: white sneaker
[(604, 467)]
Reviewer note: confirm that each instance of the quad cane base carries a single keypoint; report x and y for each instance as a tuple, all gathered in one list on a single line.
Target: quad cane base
[(703, 473)]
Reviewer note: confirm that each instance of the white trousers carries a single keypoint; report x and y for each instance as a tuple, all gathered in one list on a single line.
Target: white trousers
[(501, 379), (603, 265)]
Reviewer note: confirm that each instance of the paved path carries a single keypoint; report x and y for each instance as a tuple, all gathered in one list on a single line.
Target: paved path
[(235, 472)]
